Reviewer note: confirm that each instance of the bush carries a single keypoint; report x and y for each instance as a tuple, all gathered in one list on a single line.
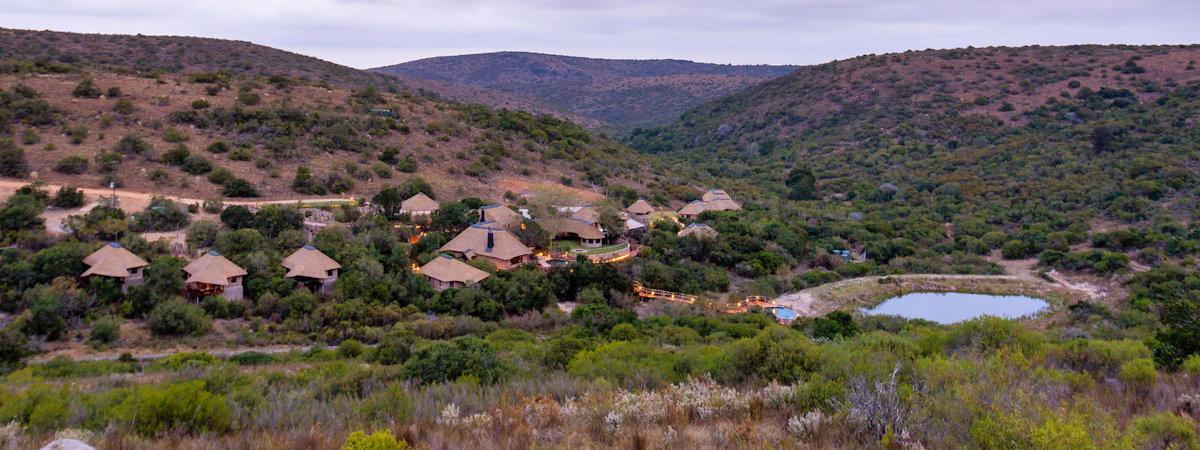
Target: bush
[(251, 359), (200, 104), (13, 349), (236, 217), (391, 404), (217, 147), (175, 136), (450, 360), (71, 165), (351, 348), (86, 89), (152, 410), (1163, 430), (1191, 365), (68, 197), (1139, 373), (380, 440), (177, 317), (196, 165), (132, 145), (12, 160), (123, 107), (238, 187), (161, 215), (105, 330)]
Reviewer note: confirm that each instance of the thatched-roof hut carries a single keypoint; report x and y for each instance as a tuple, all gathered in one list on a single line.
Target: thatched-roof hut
[(489, 241), (500, 216), (445, 272), (212, 274), (698, 230), (312, 268), (419, 205), (115, 261)]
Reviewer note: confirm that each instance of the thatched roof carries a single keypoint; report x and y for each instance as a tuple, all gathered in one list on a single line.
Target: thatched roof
[(587, 213), (474, 241), (446, 269), (212, 268), (501, 216), (713, 195), (419, 202), (309, 262), (640, 207), (112, 260), (700, 206), (698, 230), (578, 227)]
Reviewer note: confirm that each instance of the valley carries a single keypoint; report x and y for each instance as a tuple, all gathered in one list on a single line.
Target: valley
[(213, 244)]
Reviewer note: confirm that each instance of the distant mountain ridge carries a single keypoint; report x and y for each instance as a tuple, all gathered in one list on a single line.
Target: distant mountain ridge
[(621, 92), (186, 54)]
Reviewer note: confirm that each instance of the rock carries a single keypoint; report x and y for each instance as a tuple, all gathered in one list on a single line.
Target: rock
[(724, 130), (67, 444)]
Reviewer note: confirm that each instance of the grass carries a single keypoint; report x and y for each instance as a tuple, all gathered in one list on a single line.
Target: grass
[(575, 247)]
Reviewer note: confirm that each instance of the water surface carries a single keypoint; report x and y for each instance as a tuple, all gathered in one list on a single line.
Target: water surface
[(953, 307)]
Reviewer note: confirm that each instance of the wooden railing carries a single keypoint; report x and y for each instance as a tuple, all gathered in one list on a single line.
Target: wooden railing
[(659, 294)]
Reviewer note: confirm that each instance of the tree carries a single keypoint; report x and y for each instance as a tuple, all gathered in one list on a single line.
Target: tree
[(453, 216), (609, 218), (389, 199), (274, 219), (414, 186), (12, 160), (237, 217), (802, 182)]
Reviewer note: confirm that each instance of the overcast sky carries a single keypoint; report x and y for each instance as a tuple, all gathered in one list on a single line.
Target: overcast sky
[(369, 33)]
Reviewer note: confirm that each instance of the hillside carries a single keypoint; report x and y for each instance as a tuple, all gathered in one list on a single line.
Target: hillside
[(185, 54), (623, 93), (191, 134), (976, 117)]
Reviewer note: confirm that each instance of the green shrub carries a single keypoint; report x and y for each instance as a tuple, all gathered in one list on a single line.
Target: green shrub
[(380, 440), (238, 187), (1163, 430), (71, 165), (1139, 373), (177, 317), (153, 410), (132, 145), (1191, 365), (68, 197), (351, 348), (390, 404), (450, 360), (12, 160), (175, 136), (86, 89), (200, 104), (176, 361), (124, 107), (252, 359), (217, 147), (105, 330)]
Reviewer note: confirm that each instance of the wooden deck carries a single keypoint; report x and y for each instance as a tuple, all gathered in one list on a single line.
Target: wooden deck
[(659, 294)]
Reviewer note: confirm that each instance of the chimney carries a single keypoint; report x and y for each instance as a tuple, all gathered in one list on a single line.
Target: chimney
[(491, 242)]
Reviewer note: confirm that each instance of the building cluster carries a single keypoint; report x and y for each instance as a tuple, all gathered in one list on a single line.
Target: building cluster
[(491, 240)]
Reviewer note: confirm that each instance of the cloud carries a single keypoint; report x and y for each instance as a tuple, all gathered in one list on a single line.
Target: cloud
[(368, 33)]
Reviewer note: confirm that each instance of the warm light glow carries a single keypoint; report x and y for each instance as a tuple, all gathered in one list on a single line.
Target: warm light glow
[(415, 268)]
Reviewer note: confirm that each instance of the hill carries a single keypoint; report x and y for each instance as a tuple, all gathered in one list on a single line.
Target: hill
[(195, 133), (624, 93), (185, 54), (1031, 149)]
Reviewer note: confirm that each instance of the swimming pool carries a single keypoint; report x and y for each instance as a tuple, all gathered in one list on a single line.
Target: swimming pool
[(954, 307), (783, 313)]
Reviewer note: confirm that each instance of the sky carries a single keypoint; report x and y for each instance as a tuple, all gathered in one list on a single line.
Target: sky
[(371, 33)]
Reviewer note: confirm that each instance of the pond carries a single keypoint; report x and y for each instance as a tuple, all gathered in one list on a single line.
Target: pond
[(954, 307)]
